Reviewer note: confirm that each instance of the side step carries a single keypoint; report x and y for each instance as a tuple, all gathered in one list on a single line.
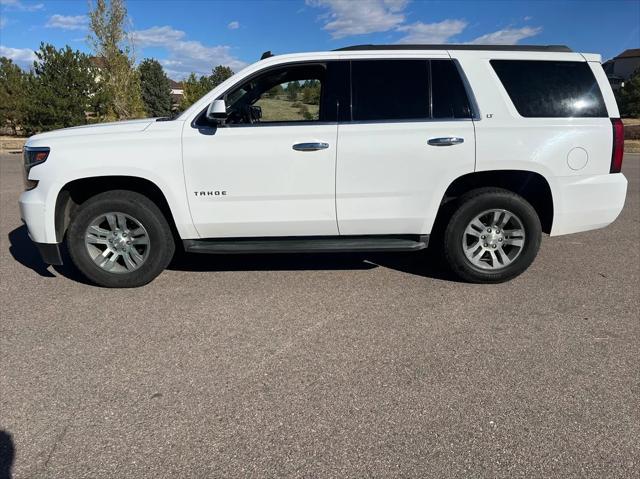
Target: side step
[(307, 244)]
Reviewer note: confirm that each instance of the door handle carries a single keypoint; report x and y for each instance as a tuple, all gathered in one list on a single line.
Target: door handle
[(310, 146), (445, 141)]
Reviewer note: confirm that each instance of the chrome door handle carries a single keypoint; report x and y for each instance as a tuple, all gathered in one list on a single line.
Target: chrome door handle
[(310, 146), (445, 141)]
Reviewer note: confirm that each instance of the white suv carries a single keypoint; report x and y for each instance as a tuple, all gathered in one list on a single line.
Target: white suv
[(367, 148)]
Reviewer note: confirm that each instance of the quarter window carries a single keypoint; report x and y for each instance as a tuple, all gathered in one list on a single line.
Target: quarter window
[(449, 95), (551, 89), (390, 90)]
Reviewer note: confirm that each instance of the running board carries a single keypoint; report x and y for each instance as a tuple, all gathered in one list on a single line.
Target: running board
[(307, 244)]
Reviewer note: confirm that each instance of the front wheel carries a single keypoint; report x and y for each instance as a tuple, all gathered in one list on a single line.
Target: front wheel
[(120, 239), (493, 236)]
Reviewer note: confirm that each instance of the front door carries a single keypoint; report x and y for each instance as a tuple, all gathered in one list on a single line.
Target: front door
[(270, 170)]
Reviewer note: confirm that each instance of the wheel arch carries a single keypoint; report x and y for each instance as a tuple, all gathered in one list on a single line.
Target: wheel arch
[(77, 191), (531, 185)]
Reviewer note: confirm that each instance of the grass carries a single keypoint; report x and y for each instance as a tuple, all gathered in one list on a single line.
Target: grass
[(276, 109)]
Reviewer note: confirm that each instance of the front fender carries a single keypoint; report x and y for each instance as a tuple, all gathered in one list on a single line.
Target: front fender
[(154, 155)]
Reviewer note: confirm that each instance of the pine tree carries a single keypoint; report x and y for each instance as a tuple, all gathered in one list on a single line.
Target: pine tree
[(156, 89), (59, 92), (13, 82), (629, 97), (219, 74)]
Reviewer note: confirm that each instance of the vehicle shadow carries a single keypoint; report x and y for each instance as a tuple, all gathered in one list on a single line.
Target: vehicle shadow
[(25, 252), (424, 264), (420, 264), (7, 454), (267, 262), (427, 264)]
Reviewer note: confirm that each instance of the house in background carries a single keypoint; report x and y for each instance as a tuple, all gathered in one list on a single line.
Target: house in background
[(177, 90), (622, 67)]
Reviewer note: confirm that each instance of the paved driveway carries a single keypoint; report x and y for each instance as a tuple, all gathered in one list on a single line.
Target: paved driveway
[(324, 365)]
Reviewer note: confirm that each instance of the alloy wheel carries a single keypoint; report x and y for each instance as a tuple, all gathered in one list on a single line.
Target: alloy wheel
[(493, 239), (117, 242)]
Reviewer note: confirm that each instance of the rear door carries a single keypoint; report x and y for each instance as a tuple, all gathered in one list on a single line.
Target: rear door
[(410, 136)]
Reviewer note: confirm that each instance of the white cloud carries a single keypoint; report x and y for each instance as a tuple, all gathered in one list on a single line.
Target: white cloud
[(70, 22), (18, 5), (185, 56), (507, 36), (439, 32), (157, 36), (347, 17), (233, 25), (3, 22), (23, 57)]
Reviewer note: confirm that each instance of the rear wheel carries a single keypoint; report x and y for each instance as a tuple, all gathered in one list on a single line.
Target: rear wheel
[(493, 236), (120, 239)]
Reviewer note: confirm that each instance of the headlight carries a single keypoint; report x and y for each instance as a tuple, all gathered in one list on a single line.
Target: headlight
[(33, 155)]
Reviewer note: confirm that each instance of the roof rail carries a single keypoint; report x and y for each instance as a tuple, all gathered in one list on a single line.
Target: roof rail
[(504, 48)]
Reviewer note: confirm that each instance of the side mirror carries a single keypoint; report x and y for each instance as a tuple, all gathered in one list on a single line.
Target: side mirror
[(256, 112), (217, 110)]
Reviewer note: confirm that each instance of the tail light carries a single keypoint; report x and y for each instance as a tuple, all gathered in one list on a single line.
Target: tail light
[(618, 145)]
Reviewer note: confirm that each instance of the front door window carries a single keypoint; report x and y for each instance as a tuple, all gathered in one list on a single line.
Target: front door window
[(287, 95)]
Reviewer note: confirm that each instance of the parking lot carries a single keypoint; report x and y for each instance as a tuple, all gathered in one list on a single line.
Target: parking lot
[(324, 365)]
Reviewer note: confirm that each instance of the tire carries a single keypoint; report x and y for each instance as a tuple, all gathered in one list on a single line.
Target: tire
[(128, 224), (507, 253)]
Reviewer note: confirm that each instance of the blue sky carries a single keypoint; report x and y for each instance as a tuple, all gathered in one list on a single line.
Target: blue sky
[(196, 35)]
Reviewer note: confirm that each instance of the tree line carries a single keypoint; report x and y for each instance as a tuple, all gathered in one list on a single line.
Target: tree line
[(66, 87)]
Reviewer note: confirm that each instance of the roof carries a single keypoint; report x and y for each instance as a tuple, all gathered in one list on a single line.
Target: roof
[(630, 53), (507, 48), (175, 85)]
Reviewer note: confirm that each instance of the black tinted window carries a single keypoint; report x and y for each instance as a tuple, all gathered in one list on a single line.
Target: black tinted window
[(390, 89), (551, 88), (449, 96), (336, 101)]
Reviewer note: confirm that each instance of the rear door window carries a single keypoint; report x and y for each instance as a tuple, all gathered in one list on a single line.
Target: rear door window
[(551, 89)]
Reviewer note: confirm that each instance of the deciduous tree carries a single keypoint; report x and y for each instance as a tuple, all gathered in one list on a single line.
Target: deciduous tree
[(293, 88), (111, 44), (192, 90), (195, 88)]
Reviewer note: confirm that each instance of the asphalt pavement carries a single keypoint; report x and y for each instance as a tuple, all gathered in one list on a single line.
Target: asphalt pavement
[(323, 365)]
